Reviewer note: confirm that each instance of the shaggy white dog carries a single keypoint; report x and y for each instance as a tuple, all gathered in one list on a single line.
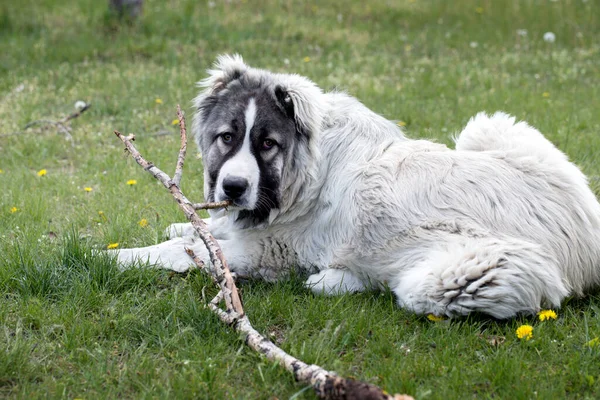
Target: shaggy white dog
[(504, 224)]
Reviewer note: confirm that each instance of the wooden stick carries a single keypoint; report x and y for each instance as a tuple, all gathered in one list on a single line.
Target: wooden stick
[(326, 384), (207, 206)]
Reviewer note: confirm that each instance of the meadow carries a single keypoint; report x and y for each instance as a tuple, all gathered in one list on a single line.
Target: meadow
[(74, 326)]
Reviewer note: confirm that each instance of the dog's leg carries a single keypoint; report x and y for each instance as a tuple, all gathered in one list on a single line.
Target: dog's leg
[(169, 255), (501, 278), (257, 255), (334, 282)]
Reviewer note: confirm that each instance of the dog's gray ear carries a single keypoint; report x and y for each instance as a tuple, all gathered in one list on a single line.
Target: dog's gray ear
[(284, 100), (301, 100), (227, 69)]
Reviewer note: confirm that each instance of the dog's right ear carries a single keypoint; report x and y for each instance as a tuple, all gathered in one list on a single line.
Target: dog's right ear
[(227, 69)]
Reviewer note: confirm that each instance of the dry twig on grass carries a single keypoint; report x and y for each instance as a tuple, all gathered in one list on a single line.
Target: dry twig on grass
[(327, 384), (62, 124)]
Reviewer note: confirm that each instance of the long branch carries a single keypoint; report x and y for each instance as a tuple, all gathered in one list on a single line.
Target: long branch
[(326, 384)]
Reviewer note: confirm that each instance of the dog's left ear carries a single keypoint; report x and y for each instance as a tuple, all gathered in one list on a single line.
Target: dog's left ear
[(285, 101), (303, 101)]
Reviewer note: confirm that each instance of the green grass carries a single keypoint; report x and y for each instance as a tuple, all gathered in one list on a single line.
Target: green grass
[(74, 326)]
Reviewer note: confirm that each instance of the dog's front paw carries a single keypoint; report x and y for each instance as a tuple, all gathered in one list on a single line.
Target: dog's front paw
[(179, 230), (334, 282)]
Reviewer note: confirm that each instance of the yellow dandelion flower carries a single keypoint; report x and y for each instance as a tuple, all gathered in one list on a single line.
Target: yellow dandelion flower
[(102, 216), (401, 123), (435, 318), (14, 210), (545, 95), (546, 314), (131, 182), (88, 189), (1, 172), (175, 121), (306, 59), (407, 48), (525, 332), (479, 10), (143, 222), (158, 100), (595, 342), (112, 246), (42, 172)]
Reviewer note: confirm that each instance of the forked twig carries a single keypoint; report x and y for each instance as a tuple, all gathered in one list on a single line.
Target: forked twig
[(326, 384), (220, 269)]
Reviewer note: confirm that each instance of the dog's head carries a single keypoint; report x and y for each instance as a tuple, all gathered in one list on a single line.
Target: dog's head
[(258, 134)]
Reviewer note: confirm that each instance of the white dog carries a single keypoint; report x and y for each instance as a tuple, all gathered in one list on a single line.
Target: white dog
[(504, 224)]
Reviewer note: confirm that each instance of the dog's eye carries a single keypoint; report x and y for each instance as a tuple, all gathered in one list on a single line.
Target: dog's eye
[(268, 144), (226, 138)]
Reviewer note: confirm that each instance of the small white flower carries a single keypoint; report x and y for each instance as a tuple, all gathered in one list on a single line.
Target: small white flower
[(211, 4), (79, 105), (340, 18), (522, 32), (286, 61), (473, 45), (549, 37)]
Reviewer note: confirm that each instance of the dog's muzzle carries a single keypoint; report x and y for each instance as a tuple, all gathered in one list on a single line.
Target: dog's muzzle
[(235, 187)]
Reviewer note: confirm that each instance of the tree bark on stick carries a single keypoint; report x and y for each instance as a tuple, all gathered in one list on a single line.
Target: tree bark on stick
[(326, 384)]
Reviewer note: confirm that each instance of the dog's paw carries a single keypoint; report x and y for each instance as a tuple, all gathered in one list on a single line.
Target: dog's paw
[(179, 230), (333, 282)]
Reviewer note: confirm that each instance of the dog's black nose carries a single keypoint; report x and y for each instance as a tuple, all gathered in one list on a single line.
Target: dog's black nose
[(234, 187)]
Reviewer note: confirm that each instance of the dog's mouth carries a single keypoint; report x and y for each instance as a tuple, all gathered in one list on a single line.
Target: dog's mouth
[(240, 203), (235, 204)]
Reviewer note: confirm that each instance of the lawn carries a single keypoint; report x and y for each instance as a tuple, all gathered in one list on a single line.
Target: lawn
[(74, 326)]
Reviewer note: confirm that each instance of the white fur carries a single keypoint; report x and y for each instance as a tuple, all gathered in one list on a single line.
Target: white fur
[(242, 165), (504, 224)]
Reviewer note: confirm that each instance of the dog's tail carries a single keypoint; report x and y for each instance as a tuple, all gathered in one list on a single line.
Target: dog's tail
[(522, 145), (502, 132)]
